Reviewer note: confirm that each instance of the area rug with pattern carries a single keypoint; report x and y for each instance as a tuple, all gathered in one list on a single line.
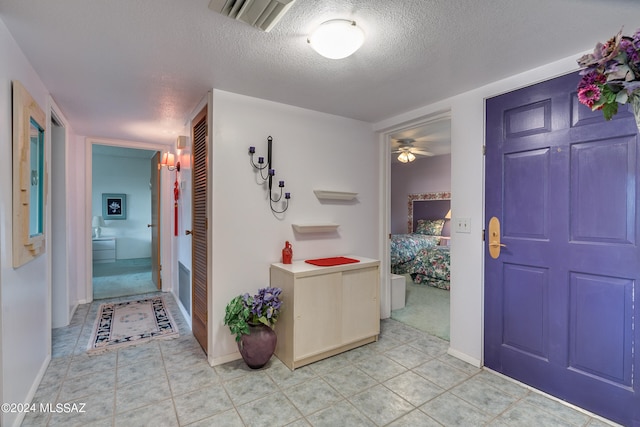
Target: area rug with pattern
[(132, 322)]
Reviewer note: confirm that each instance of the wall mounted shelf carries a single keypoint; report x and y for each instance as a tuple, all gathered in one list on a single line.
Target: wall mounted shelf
[(334, 195), (320, 227)]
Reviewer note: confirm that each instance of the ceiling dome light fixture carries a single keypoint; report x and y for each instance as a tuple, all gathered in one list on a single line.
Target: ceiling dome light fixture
[(337, 38), (406, 157)]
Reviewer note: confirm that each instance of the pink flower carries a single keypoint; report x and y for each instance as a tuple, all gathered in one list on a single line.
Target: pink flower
[(589, 95), (611, 74), (590, 78)]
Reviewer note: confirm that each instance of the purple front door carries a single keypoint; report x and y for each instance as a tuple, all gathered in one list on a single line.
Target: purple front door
[(562, 310)]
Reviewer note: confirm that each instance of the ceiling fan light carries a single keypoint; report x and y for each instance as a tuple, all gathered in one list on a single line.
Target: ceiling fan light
[(337, 38), (406, 157)]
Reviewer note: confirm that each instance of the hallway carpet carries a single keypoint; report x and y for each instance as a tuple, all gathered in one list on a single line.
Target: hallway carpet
[(427, 309), (122, 278), (127, 323)]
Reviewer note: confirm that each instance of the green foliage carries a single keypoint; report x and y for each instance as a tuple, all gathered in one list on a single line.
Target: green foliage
[(237, 316), (245, 310)]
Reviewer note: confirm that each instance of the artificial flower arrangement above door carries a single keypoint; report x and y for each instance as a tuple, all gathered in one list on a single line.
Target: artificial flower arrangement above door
[(611, 76)]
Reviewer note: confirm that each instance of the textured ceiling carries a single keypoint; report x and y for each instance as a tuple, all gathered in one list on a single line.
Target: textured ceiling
[(135, 69)]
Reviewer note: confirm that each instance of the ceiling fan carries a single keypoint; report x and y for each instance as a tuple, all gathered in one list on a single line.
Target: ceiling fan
[(407, 152)]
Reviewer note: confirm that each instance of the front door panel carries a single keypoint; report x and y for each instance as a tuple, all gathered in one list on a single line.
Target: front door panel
[(561, 299)]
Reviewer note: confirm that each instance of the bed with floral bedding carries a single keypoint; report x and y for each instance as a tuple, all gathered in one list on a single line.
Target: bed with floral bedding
[(431, 267), (421, 255), (405, 247)]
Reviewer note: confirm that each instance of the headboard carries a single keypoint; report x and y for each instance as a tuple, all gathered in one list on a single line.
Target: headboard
[(429, 206)]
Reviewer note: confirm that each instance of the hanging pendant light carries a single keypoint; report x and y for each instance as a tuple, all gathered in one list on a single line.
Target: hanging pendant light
[(337, 38)]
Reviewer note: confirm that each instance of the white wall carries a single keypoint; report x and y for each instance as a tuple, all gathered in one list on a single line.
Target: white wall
[(311, 150), (467, 186), (78, 229), (426, 175), (25, 324), (131, 176)]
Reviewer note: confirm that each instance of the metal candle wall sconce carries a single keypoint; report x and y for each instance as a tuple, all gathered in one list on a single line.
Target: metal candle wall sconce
[(269, 176)]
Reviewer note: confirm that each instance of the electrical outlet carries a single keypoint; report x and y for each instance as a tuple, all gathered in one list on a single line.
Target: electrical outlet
[(462, 225)]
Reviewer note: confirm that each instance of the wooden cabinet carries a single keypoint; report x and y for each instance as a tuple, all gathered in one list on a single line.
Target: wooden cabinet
[(326, 310), (104, 249)]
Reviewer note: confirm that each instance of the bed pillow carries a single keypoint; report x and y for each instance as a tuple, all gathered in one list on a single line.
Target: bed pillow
[(432, 227)]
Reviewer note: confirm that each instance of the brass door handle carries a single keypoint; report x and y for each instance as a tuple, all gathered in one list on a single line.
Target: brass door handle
[(187, 232), (494, 238)]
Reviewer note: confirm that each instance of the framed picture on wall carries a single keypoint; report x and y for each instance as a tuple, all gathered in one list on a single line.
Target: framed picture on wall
[(114, 206)]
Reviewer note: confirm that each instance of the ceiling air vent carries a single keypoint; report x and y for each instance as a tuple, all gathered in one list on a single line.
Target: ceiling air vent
[(263, 14)]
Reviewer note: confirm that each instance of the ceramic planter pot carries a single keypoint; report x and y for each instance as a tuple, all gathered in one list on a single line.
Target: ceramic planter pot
[(258, 346)]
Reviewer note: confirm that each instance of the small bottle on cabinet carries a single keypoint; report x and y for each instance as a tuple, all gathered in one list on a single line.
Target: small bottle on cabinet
[(287, 253)]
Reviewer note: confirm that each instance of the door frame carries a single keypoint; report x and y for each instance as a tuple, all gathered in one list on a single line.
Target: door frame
[(62, 313), (156, 242), (165, 215), (385, 200)]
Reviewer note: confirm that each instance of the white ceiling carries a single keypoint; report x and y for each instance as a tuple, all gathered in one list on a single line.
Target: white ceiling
[(135, 69)]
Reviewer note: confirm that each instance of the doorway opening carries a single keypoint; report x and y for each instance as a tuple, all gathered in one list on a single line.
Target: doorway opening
[(124, 198), (61, 308), (420, 229)]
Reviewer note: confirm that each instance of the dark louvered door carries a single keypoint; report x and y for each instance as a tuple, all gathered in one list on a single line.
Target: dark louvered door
[(199, 270)]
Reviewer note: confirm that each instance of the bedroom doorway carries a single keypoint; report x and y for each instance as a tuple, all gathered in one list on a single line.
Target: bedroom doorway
[(122, 241), (420, 229)]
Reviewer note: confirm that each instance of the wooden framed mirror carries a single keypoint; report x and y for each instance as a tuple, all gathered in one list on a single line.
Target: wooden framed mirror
[(441, 209), (29, 177)]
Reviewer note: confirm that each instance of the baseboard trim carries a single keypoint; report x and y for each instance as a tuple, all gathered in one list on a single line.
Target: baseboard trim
[(464, 357), (183, 310), (224, 359), (34, 388)]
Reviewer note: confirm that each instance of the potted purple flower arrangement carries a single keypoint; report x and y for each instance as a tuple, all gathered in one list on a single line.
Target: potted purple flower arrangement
[(251, 320), (611, 76)]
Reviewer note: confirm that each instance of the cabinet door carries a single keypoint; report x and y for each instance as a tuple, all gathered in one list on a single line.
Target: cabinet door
[(360, 306), (317, 314)]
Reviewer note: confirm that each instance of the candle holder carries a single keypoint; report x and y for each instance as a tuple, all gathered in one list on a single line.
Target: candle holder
[(261, 166)]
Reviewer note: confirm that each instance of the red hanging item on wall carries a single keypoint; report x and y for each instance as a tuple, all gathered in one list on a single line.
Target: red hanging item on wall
[(176, 196), (287, 253)]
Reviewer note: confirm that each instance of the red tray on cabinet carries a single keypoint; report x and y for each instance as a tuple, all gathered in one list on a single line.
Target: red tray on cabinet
[(328, 262)]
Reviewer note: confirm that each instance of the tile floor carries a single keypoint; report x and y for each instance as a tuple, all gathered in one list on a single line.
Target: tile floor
[(122, 278), (404, 379)]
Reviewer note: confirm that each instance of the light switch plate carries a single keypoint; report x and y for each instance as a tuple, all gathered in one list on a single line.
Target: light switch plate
[(462, 225)]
